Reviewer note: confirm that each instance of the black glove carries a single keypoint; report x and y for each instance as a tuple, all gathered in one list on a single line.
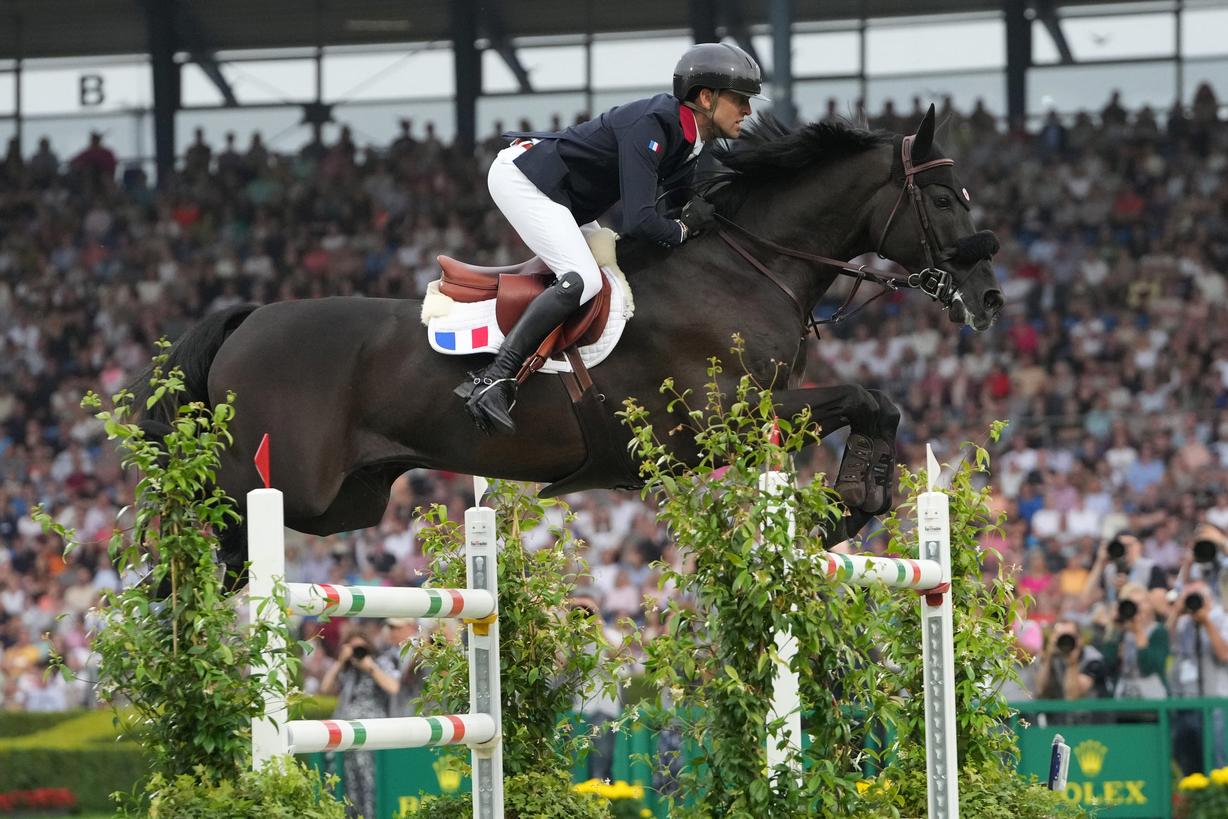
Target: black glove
[(698, 215)]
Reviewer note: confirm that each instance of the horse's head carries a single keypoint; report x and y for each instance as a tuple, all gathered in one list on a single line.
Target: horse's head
[(921, 220)]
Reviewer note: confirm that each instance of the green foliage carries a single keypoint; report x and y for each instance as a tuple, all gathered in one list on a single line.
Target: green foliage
[(987, 791), (527, 795), (752, 578), (757, 571), (283, 789), (172, 647), (552, 656), (983, 611)]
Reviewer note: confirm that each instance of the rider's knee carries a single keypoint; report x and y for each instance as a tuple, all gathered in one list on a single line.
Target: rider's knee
[(592, 283)]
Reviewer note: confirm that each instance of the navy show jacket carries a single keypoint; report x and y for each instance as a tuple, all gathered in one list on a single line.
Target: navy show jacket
[(624, 154)]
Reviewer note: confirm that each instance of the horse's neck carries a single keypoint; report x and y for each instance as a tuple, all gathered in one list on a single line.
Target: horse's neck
[(822, 213)]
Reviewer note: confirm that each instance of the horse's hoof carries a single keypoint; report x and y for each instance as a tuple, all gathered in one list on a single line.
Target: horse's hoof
[(855, 470), (881, 482)]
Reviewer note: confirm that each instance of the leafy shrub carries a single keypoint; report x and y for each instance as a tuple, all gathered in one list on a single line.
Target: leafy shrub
[(526, 795)]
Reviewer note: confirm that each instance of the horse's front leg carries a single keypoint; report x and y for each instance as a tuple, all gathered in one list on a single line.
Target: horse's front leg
[(867, 471)]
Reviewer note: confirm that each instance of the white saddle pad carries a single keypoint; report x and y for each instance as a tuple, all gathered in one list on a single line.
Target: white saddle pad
[(464, 328)]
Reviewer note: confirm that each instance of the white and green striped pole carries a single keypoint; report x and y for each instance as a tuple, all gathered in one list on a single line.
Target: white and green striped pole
[(480, 729)]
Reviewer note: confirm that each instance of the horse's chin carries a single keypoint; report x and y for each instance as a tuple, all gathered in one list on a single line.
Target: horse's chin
[(959, 314)]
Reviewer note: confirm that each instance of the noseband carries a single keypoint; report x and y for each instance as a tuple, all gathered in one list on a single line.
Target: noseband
[(933, 281)]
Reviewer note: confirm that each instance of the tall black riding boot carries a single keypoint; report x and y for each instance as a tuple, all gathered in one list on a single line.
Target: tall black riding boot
[(491, 393)]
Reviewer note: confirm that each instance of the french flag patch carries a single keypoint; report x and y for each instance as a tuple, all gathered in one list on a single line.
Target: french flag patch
[(654, 146), (475, 339)]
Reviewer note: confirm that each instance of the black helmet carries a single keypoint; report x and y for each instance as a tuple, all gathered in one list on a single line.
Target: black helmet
[(718, 66)]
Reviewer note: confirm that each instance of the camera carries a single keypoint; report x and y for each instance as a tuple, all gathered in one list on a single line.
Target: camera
[(1205, 550), (1194, 602), (360, 652), (1126, 610), (1117, 549), (1066, 643)]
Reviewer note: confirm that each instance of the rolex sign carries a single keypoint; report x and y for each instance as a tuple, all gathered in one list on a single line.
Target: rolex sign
[(1115, 770)]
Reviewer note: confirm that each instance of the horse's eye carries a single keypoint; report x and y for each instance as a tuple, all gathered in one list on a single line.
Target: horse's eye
[(942, 201)]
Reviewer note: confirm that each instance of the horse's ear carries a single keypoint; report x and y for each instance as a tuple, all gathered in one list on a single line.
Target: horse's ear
[(924, 140)]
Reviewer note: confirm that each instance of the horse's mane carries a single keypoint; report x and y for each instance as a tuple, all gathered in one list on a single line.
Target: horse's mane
[(769, 151)]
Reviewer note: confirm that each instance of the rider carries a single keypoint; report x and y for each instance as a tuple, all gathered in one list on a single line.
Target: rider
[(552, 186)]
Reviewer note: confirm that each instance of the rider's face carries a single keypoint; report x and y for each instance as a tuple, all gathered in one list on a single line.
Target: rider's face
[(728, 109)]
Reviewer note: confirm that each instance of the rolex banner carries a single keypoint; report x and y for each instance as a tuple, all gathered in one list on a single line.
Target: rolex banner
[(1114, 769)]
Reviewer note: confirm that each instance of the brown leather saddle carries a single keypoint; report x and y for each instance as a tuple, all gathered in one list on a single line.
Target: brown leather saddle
[(513, 287)]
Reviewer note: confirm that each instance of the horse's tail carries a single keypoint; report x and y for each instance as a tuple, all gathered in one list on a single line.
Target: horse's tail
[(193, 353)]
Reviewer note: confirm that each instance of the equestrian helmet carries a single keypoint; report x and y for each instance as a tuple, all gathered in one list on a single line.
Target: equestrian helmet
[(718, 66)]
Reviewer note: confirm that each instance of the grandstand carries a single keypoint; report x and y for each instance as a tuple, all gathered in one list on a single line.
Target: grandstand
[(253, 152)]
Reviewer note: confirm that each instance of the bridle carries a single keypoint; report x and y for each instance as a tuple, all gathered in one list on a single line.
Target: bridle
[(933, 281)]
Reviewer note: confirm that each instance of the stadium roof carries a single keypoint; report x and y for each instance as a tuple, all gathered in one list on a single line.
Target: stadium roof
[(88, 28)]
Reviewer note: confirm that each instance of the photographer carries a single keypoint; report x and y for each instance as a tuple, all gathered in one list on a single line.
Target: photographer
[(1135, 648), (1206, 560), (1069, 669), (1199, 637), (366, 683), (1120, 561)]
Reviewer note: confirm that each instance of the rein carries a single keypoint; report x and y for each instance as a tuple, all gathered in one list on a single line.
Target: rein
[(931, 280)]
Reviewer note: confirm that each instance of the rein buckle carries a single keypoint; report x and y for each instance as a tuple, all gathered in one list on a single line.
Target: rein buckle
[(933, 282)]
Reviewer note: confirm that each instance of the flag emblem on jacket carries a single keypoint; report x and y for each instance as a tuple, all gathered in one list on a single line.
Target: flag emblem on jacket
[(654, 146)]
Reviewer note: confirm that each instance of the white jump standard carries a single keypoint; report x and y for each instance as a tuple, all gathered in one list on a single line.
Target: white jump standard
[(480, 729), (930, 575)]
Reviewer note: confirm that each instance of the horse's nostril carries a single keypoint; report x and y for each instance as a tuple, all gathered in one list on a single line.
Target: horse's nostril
[(994, 301)]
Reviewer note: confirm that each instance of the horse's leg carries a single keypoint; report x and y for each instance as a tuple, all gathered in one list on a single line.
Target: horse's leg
[(881, 480), (842, 405)]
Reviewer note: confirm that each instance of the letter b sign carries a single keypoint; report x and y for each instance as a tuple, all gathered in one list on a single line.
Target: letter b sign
[(90, 91)]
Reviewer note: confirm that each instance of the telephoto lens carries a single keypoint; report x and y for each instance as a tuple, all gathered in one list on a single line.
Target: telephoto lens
[(1194, 602), (1204, 551), (1066, 643), (1126, 609), (1117, 549), (360, 652)]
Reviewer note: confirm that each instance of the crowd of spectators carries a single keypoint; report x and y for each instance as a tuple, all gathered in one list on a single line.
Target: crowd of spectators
[(1110, 361)]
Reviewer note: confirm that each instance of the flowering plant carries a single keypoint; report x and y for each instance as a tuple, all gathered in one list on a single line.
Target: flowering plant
[(1202, 797), (39, 799), (624, 798)]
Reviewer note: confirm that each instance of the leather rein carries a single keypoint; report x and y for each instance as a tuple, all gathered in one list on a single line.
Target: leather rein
[(933, 281)]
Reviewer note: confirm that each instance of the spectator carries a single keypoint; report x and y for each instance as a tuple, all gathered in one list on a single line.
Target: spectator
[(366, 683), (1069, 668), (1198, 632), (1135, 647)]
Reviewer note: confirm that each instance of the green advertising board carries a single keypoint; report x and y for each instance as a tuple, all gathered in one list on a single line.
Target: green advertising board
[(1113, 768)]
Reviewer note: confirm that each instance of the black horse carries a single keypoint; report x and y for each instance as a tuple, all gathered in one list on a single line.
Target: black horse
[(353, 396)]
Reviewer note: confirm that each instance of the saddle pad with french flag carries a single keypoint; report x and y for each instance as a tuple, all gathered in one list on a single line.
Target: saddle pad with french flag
[(464, 328)]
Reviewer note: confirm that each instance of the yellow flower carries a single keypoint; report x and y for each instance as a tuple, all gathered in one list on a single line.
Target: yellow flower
[(1220, 776), (1193, 782), (862, 786), (645, 812)]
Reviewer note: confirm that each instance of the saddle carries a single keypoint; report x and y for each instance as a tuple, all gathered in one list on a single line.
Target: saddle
[(513, 287)]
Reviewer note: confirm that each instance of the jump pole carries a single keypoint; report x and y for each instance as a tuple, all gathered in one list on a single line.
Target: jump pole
[(929, 574), (480, 729)]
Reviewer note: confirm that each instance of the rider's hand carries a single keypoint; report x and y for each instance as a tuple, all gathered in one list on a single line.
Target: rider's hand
[(698, 215)]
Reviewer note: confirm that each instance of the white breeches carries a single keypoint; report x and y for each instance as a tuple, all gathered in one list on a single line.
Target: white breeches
[(544, 225)]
